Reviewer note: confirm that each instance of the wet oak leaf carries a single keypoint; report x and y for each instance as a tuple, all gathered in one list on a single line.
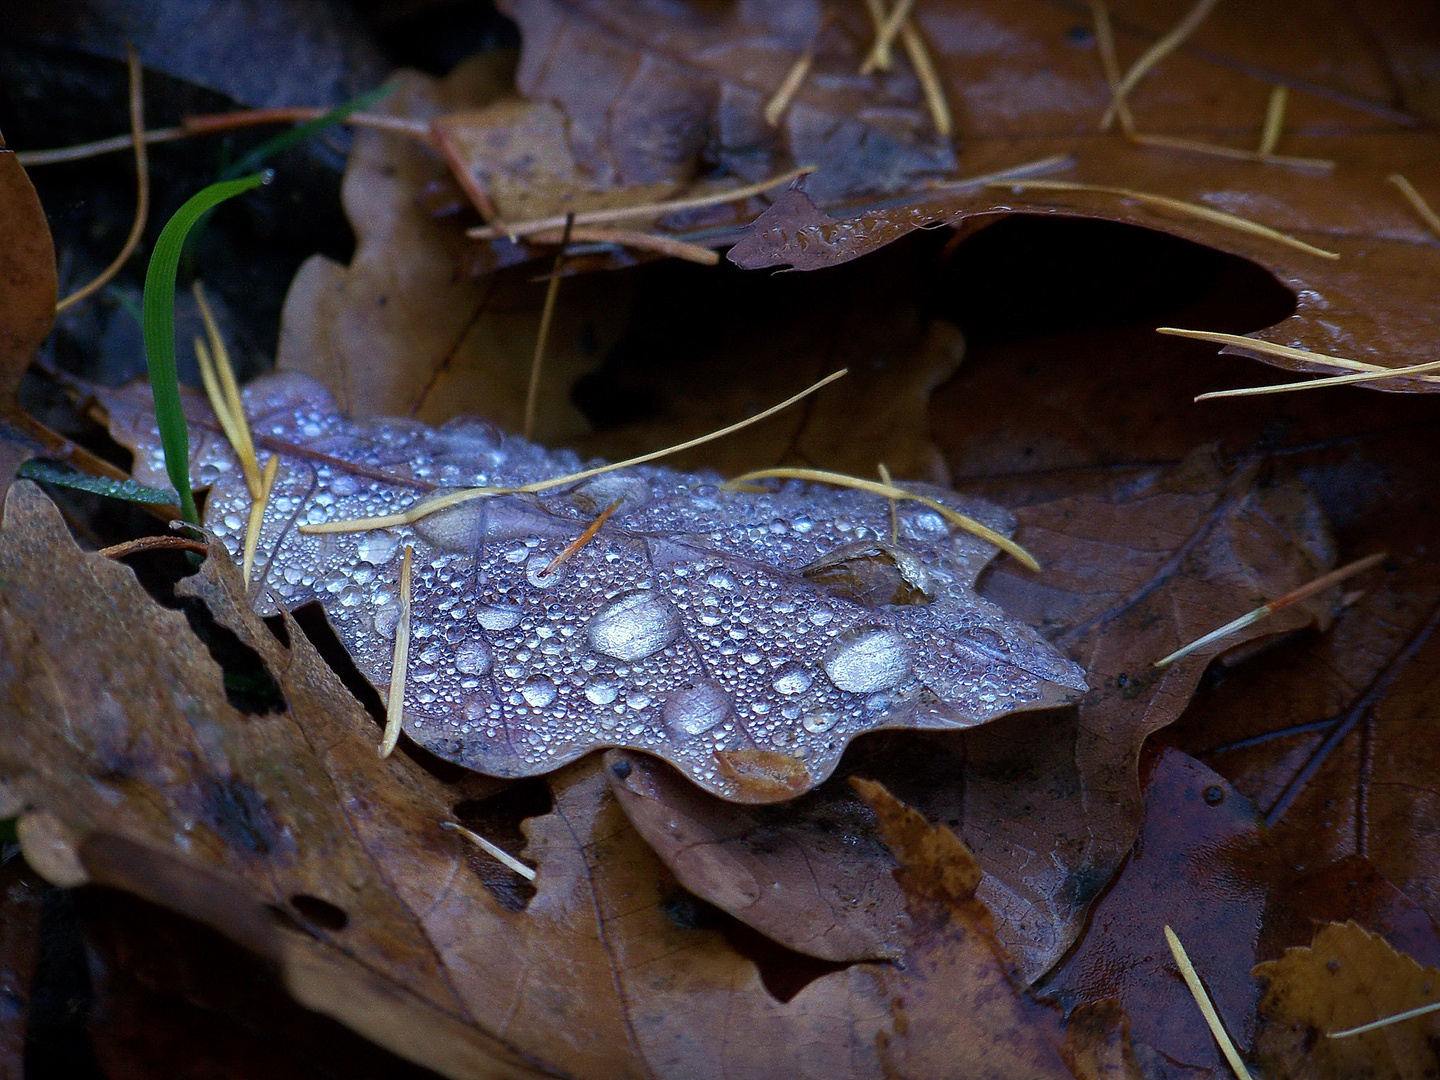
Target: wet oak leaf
[(1030, 75), (686, 628), (1347, 977)]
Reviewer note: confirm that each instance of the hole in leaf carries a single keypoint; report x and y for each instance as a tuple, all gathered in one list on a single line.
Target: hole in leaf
[(278, 630), (783, 972), (320, 912), (497, 818), (311, 620), (249, 684)]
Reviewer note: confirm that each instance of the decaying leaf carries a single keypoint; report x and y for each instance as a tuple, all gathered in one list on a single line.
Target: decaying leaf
[(1345, 978), (686, 627)]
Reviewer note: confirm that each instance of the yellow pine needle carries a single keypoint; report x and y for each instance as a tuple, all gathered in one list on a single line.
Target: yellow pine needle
[(1274, 120), (885, 478), (532, 391), (142, 186), (395, 704), (257, 516), (1427, 215), (225, 371), (1319, 585), (929, 78), (1153, 55), (890, 491), (430, 506), (1386, 1021), (633, 238), (1334, 380), (1192, 146), (1288, 352), (1105, 39), (581, 540), (1040, 166), (643, 210), (1202, 999), (499, 854), (789, 86), (221, 408), (879, 57), (1164, 202)]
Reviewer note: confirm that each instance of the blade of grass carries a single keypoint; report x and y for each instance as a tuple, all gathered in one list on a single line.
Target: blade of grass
[(48, 472), (300, 132), (159, 309)]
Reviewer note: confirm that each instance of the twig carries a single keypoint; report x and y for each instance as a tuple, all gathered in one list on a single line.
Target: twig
[(552, 290), (632, 238), (1153, 55), (1319, 585), (879, 57), (1418, 202), (1207, 1009), (500, 855), (395, 705), (142, 186), (1204, 213), (427, 507), (1335, 380), (890, 491), (153, 543), (1274, 120), (1288, 352), (643, 210), (464, 176), (1386, 1021)]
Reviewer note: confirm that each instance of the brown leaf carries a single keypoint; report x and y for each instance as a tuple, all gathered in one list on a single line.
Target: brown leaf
[(1025, 78), (1346, 978), (685, 627), (20, 908)]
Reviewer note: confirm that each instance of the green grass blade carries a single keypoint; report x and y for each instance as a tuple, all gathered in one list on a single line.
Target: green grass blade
[(49, 472), (159, 308), (300, 132)]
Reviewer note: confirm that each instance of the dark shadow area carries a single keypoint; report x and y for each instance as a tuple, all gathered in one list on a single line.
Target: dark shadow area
[(498, 818), (57, 1040)]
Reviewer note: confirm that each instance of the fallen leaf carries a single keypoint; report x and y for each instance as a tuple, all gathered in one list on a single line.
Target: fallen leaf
[(1346, 978), (686, 628), (21, 899)]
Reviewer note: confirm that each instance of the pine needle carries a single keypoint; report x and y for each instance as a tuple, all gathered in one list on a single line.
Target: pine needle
[(1274, 120), (1288, 352), (142, 186), (1202, 999), (640, 211), (1153, 55), (1038, 167), (633, 238), (1386, 1021), (1164, 202), (1319, 585), (499, 854), (430, 506), (779, 102), (930, 83), (890, 491), (532, 391), (581, 540), (1232, 153), (218, 375), (258, 506), (1427, 215), (879, 57), (395, 704), (885, 478), (1334, 380), (1105, 39)]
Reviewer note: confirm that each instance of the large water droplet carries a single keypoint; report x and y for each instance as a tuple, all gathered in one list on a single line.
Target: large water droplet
[(816, 722), (377, 546), (601, 692), (633, 626), (867, 659), (792, 679), (473, 657), (498, 616), (538, 691), (696, 708)]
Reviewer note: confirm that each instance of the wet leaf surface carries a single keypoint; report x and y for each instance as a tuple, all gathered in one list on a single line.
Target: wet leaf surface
[(687, 627)]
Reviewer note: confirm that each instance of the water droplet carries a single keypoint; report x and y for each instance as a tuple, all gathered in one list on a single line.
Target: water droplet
[(538, 691), (601, 692), (867, 659), (720, 579), (343, 484), (386, 619), (820, 614), (792, 679), (633, 626), (473, 657), (696, 708), (377, 546), (816, 722), (498, 616)]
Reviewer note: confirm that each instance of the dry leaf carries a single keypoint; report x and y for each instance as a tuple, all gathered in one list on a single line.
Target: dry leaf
[(690, 626), (1346, 978)]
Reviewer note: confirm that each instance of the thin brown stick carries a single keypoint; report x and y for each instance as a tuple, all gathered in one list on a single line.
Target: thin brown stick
[(580, 541), (142, 186), (1179, 206), (643, 210), (532, 392), (879, 58), (885, 478), (1274, 120), (632, 238), (153, 543), (1153, 55), (1417, 200)]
